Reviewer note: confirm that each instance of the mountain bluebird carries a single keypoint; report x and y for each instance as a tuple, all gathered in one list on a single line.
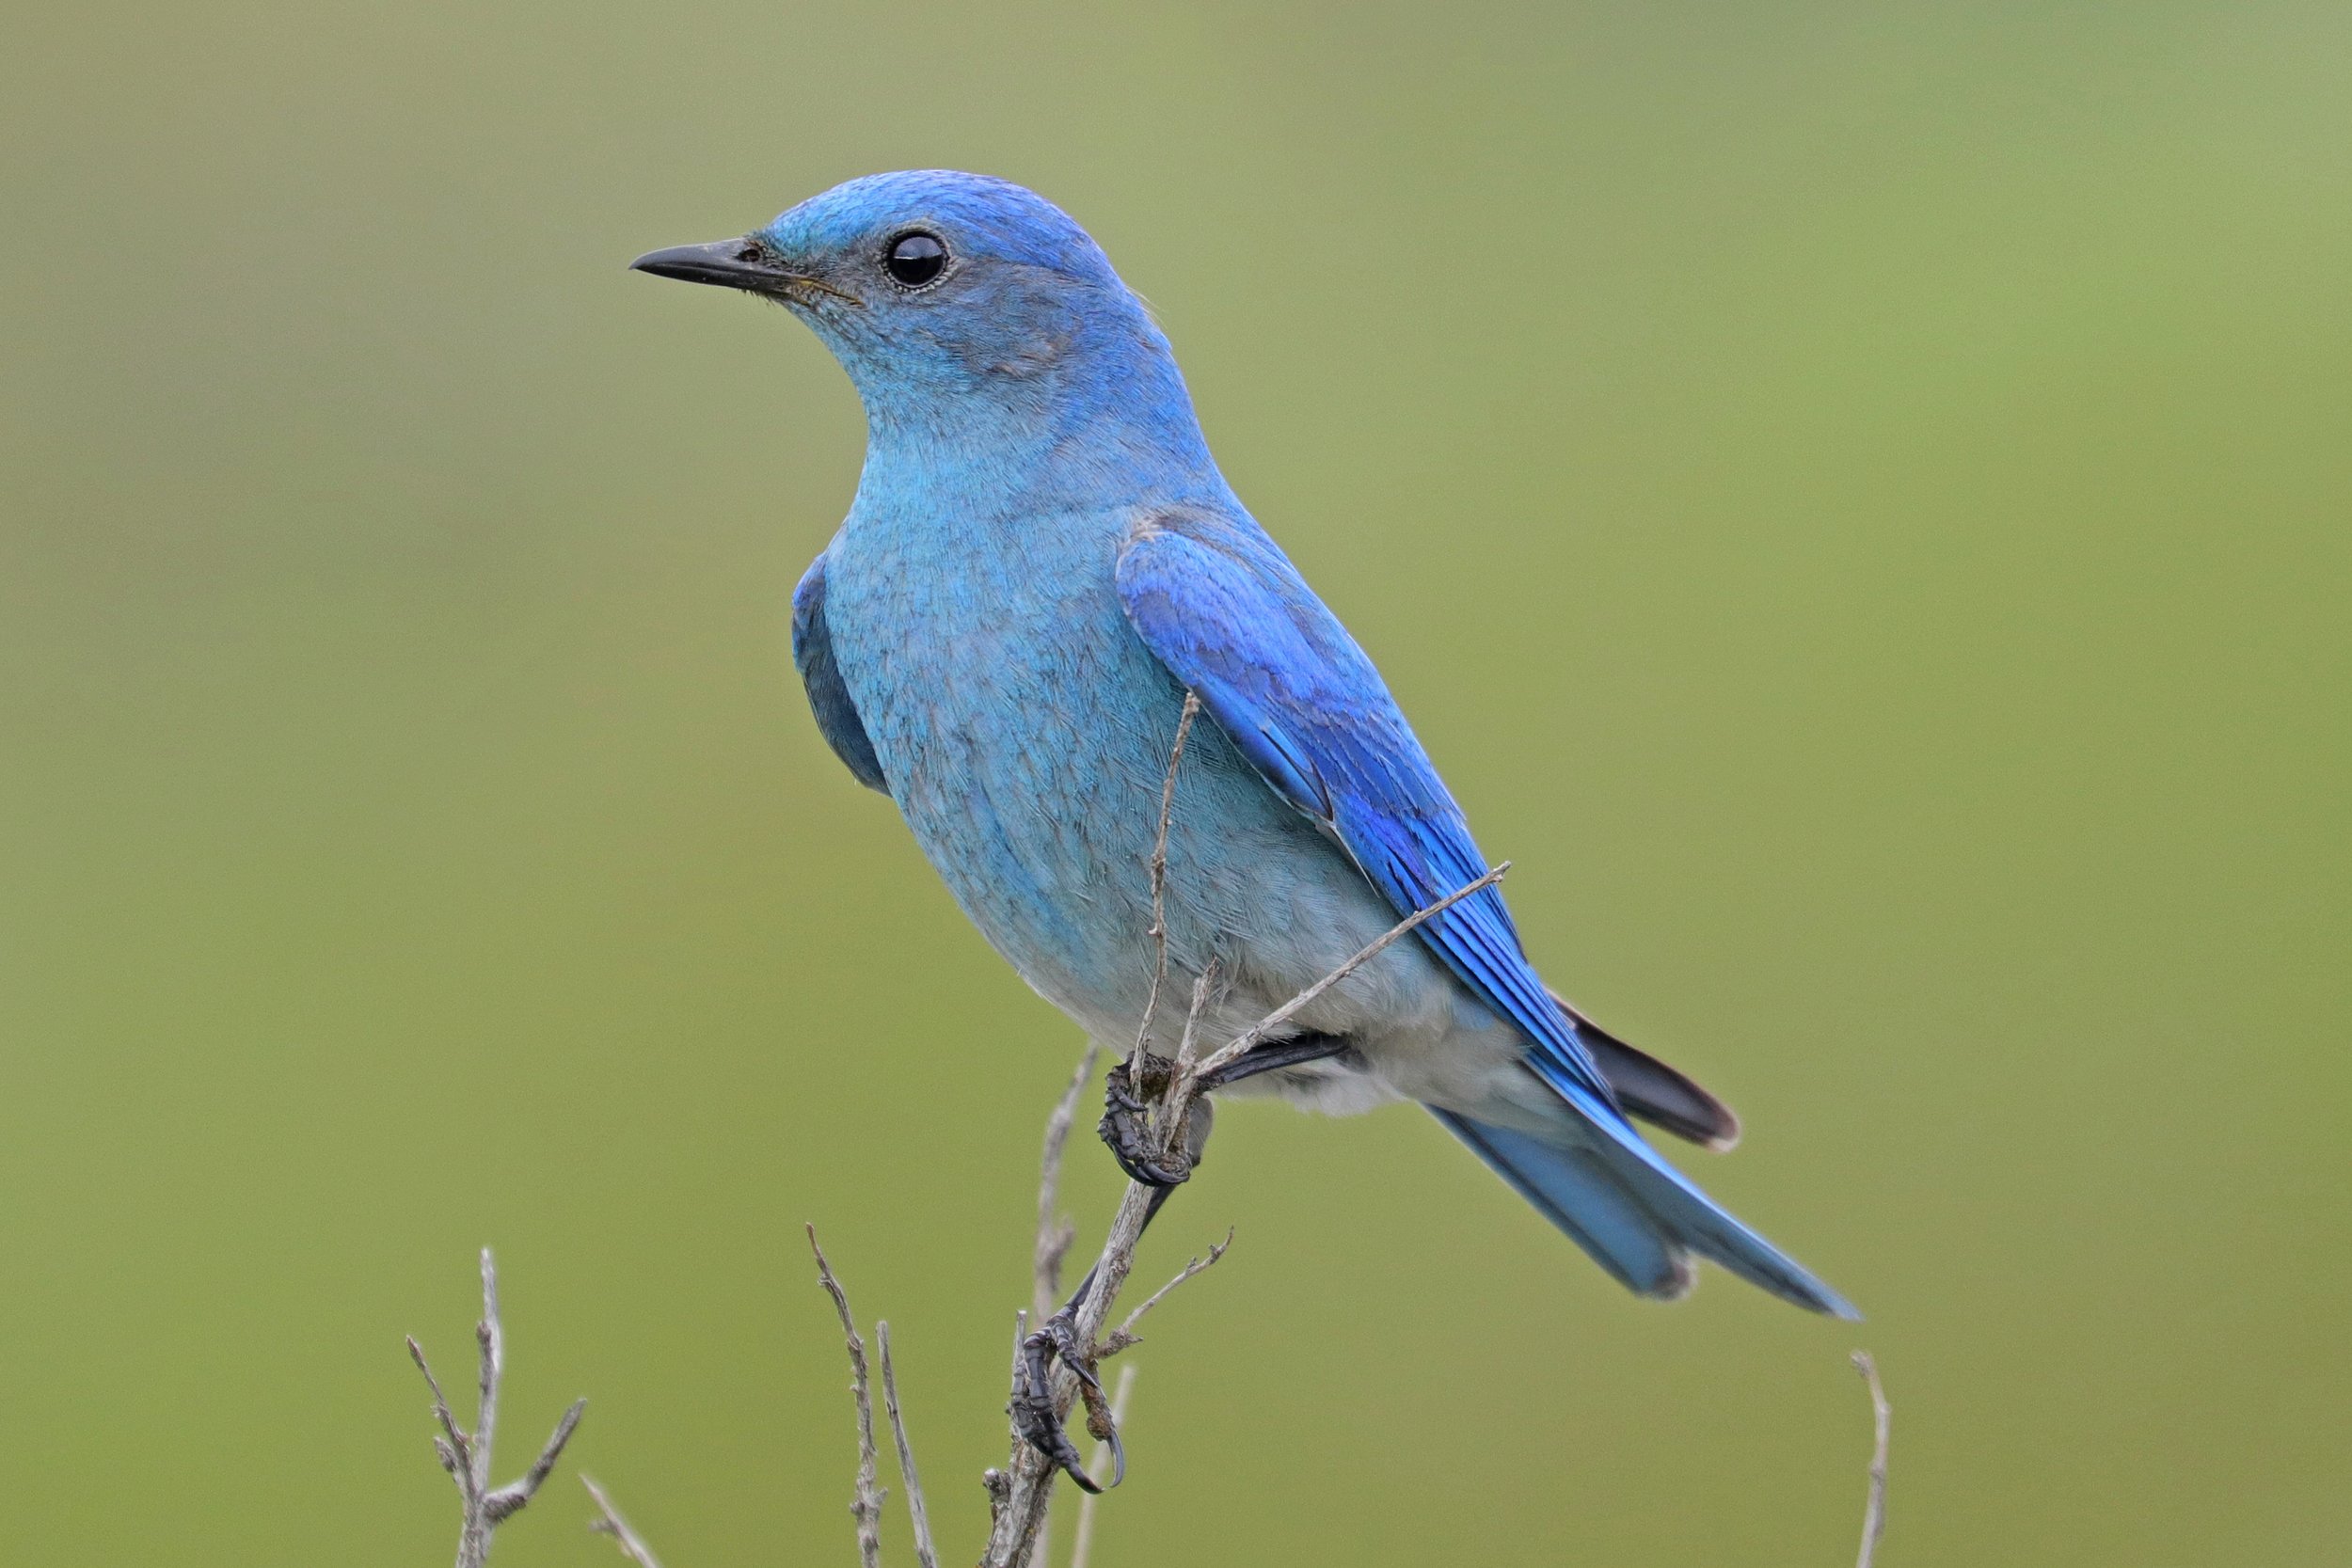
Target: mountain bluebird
[(1041, 560)]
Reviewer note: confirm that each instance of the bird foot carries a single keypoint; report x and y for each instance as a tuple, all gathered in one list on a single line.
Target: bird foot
[(1036, 1421), (1128, 1097)]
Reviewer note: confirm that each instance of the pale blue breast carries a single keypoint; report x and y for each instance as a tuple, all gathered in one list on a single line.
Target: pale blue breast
[(1024, 730)]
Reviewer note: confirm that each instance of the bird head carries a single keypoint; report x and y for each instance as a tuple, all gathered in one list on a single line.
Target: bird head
[(938, 290)]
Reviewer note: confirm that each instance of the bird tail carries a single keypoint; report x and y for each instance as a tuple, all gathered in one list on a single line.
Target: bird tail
[(1638, 1217)]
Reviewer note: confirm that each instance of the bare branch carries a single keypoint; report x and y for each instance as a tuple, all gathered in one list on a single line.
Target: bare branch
[(1203, 988), (1158, 867), (1024, 1491), (1259, 1031), (916, 1511), (511, 1495), (491, 1337), (608, 1522), (1177, 1079), (1883, 1421), (1124, 1335), (1025, 1488), (510, 1498), (454, 1449), (1081, 1543), (997, 1483), (865, 1508), (467, 1456), (1053, 1368), (1054, 1233)]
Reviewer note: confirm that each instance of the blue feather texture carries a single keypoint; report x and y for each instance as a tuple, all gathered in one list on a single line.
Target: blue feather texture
[(828, 699), (1041, 558)]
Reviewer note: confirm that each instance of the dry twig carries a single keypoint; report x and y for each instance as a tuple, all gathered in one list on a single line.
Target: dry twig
[(865, 1508), (916, 1509), (1022, 1494), (1126, 1335), (1024, 1491), (1258, 1033), (608, 1522), (1883, 1421), (1082, 1539), (466, 1455), (1054, 1231), (1157, 865), (1202, 990)]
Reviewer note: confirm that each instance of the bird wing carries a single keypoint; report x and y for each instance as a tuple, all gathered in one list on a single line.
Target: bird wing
[(1217, 603), (828, 698)]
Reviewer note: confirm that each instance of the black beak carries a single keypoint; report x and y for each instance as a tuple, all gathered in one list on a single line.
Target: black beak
[(744, 264)]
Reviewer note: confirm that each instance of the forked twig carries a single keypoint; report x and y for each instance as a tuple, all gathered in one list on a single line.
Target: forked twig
[(608, 1522), (1021, 1495), (1881, 1421), (865, 1507), (1124, 1335), (1056, 1233), (1023, 1492), (466, 1455)]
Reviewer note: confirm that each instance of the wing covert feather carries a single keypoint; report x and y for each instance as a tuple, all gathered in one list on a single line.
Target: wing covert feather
[(1219, 605), (828, 698)]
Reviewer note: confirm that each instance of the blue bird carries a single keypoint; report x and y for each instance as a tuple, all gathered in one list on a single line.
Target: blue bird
[(1041, 560)]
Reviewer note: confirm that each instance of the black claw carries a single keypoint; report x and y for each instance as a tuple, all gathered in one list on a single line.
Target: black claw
[(1126, 1125), (1129, 1096), (1032, 1408)]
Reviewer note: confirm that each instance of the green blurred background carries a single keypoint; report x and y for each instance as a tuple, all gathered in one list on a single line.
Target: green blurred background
[(1855, 495)]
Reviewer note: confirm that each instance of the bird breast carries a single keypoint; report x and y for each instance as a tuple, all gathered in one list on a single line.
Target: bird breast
[(1025, 731)]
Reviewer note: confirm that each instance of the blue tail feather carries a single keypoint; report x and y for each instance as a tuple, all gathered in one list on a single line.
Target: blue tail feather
[(1574, 1193), (1689, 1214), (1623, 1203)]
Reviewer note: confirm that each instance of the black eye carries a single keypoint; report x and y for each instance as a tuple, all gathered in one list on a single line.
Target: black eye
[(913, 259)]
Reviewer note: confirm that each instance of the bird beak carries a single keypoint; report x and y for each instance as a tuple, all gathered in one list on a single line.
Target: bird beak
[(744, 264)]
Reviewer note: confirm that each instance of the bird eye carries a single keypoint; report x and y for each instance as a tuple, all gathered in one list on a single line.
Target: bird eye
[(915, 259)]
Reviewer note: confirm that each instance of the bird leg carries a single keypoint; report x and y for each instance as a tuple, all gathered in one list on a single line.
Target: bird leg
[(1126, 1128), (1277, 1054)]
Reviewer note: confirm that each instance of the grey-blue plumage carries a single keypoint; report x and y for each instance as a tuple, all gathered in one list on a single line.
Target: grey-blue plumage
[(828, 698), (1041, 558)]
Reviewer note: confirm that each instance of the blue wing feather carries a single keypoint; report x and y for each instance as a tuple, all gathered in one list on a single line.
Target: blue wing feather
[(828, 698), (1220, 606)]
